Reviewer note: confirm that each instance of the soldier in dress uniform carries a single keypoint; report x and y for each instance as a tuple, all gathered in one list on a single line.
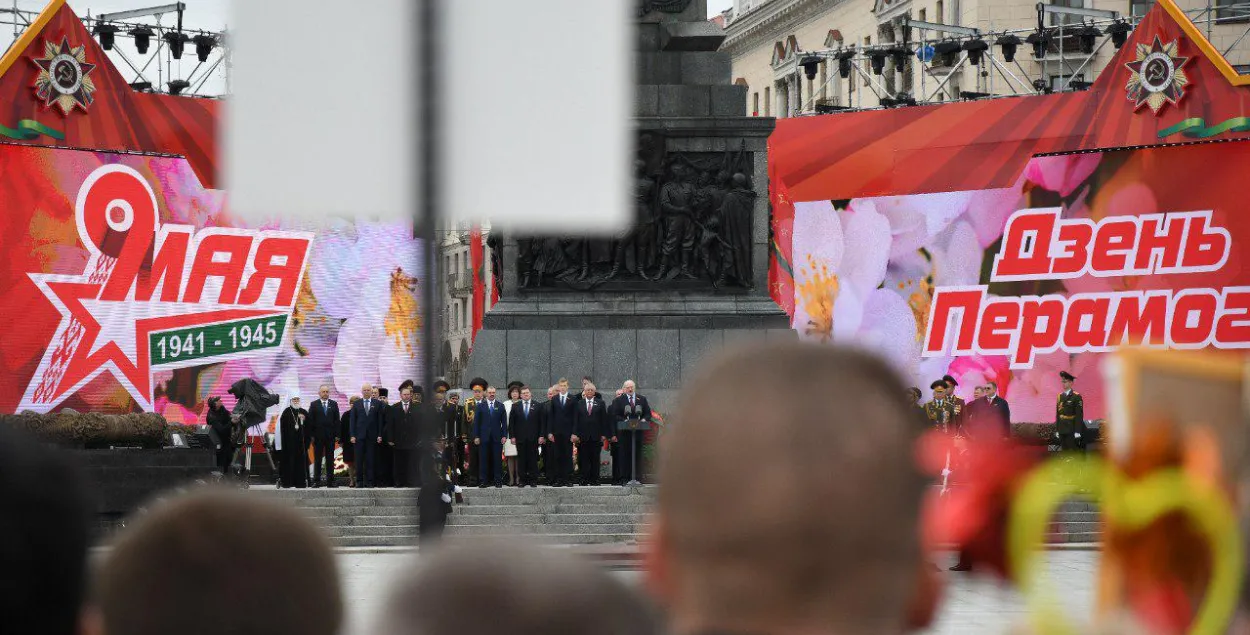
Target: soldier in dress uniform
[(941, 410), (478, 386), (1069, 414), (960, 404)]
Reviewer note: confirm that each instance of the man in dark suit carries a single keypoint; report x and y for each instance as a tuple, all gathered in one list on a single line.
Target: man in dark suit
[(590, 422), (559, 432), (627, 444), (490, 425), (323, 428), (525, 427), (401, 426), (366, 424), (1001, 407)]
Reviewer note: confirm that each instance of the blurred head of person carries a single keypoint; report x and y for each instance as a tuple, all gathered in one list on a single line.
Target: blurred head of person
[(214, 403), (562, 386), (220, 562), (351, 401), (295, 402), (914, 395), (490, 393), (978, 392), (778, 549), (454, 397), (478, 385), (530, 590), (551, 392), (991, 390), (323, 392), (405, 394), (588, 391), (44, 535), (366, 391), (514, 393), (939, 388)]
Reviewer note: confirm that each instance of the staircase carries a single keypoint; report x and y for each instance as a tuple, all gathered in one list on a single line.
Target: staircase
[(604, 515), (388, 517)]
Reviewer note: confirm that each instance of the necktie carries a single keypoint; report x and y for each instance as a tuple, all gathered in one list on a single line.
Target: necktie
[(589, 405), (325, 405), (405, 408), (367, 406), (631, 401), (527, 410)]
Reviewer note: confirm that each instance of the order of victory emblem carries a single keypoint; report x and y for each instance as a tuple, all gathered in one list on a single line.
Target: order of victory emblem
[(64, 77), (1156, 76)]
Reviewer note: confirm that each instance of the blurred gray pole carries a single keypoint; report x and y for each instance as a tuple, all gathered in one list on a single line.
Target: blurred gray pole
[(427, 214)]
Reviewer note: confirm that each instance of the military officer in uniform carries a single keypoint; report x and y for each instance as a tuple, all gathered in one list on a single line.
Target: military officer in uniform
[(959, 404), (1069, 414), (941, 411), (478, 386)]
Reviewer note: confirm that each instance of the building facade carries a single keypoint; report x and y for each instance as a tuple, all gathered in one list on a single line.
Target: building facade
[(455, 278), (768, 40)]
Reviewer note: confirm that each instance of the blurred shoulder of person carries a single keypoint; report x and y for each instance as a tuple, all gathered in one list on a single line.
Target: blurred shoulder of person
[(45, 530), (219, 562), (826, 539), (530, 591)]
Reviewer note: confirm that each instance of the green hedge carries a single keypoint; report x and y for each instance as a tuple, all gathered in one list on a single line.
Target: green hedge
[(93, 430)]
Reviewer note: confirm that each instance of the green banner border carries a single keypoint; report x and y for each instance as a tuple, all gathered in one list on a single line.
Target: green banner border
[(28, 129)]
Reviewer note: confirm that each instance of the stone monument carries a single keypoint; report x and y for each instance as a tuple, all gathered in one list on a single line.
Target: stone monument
[(690, 277)]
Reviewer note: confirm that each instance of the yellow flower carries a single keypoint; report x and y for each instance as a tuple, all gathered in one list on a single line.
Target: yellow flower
[(817, 293), (403, 320), (920, 301)]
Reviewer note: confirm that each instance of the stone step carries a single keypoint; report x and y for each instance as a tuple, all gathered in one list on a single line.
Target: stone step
[(409, 530), (550, 508), (374, 541), (365, 521), (379, 510), (1075, 528), (538, 519), (544, 529), (356, 501)]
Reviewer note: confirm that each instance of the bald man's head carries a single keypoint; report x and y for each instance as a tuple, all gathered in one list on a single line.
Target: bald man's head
[(791, 515)]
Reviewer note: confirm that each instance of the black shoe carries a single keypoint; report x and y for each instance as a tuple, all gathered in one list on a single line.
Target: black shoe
[(315, 485), (498, 485), (482, 486), (960, 566)]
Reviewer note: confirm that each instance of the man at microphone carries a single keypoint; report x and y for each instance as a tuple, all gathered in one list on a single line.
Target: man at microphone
[(626, 443)]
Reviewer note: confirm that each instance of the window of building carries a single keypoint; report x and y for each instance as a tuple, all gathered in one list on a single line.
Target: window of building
[(1067, 20), (1057, 83), (922, 16), (939, 13), (1229, 11), (768, 101), (1138, 8), (755, 110), (456, 315)]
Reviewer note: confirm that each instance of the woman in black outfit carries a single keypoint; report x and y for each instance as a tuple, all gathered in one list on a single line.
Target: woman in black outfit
[(219, 420)]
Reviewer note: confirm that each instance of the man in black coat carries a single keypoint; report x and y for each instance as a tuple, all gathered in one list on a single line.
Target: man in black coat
[(590, 423), (366, 425), (558, 428), (323, 430), (1001, 408), (218, 419), (293, 445), (525, 426), (401, 427), (627, 444)]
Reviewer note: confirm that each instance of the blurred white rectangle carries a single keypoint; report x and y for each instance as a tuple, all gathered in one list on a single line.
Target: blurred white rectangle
[(323, 120), (537, 107)]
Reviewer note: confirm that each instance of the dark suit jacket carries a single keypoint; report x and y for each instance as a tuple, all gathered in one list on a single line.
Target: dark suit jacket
[(1004, 414), (490, 424), (621, 406), (522, 428), (323, 425), (367, 426), (402, 429), (219, 422), (560, 418), (590, 426)]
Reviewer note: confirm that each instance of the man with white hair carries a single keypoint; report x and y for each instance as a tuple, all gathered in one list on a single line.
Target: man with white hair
[(366, 427), (633, 408), (323, 431), (590, 423)]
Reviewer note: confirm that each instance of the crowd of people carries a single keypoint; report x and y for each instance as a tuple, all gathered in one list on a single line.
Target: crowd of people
[(771, 550), (519, 441)]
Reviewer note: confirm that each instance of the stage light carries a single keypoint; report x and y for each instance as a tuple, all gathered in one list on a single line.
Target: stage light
[(177, 86), (142, 87), (1040, 40), (105, 33), (1041, 86), (1088, 37), (901, 99), (810, 65), (900, 55), (205, 43), (975, 48), (877, 60), (949, 51), (143, 38), (1009, 43), (1075, 85), (967, 94), (1118, 31), (844, 63), (176, 40), (828, 109)]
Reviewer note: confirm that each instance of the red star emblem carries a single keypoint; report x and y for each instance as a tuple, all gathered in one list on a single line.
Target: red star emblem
[(1156, 75)]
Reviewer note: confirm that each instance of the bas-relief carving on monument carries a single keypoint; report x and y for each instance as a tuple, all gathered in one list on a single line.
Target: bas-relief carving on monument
[(694, 215)]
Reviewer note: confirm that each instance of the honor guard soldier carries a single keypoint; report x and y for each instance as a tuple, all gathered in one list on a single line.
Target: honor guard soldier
[(478, 386), (941, 411), (1069, 414), (959, 403)]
